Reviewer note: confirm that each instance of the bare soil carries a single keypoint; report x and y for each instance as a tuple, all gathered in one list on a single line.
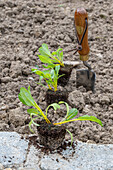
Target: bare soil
[(24, 26)]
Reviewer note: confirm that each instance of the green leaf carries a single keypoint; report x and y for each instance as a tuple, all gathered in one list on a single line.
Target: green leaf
[(61, 75), (49, 66), (49, 82), (54, 105), (72, 113), (34, 114), (58, 52), (90, 118), (29, 90), (40, 73), (32, 122), (21, 99), (54, 53), (34, 111), (32, 119), (82, 118), (61, 56), (57, 68), (46, 71), (45, 59), (34, 70), (59, 49), (67, 106), (35, 123), (47, 76), (44, 50), (70, 135), (25, 97), (52, 73)]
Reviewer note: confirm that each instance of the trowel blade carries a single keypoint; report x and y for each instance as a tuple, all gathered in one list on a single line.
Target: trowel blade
[(85, 78)]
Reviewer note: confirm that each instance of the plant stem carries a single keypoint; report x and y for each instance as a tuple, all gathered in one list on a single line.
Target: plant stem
[(60, 123), (57, 60), (49, 87), (38, 108)]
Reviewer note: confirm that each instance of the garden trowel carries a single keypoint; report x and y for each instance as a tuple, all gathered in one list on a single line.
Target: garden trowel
[(84, 77)]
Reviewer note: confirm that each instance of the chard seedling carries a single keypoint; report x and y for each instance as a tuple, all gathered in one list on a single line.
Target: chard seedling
[(36, 112), (50, 76), (52, 62)]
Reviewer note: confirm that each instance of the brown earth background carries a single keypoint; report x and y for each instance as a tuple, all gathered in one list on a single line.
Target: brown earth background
[(24, 26)]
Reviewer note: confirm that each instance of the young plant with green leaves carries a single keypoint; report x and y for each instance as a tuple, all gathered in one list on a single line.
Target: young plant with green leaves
[(52, 62), (35, 113), (51, 59), (50, 76)]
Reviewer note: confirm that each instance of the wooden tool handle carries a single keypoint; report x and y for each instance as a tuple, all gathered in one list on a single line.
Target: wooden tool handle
[(80, 24)]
